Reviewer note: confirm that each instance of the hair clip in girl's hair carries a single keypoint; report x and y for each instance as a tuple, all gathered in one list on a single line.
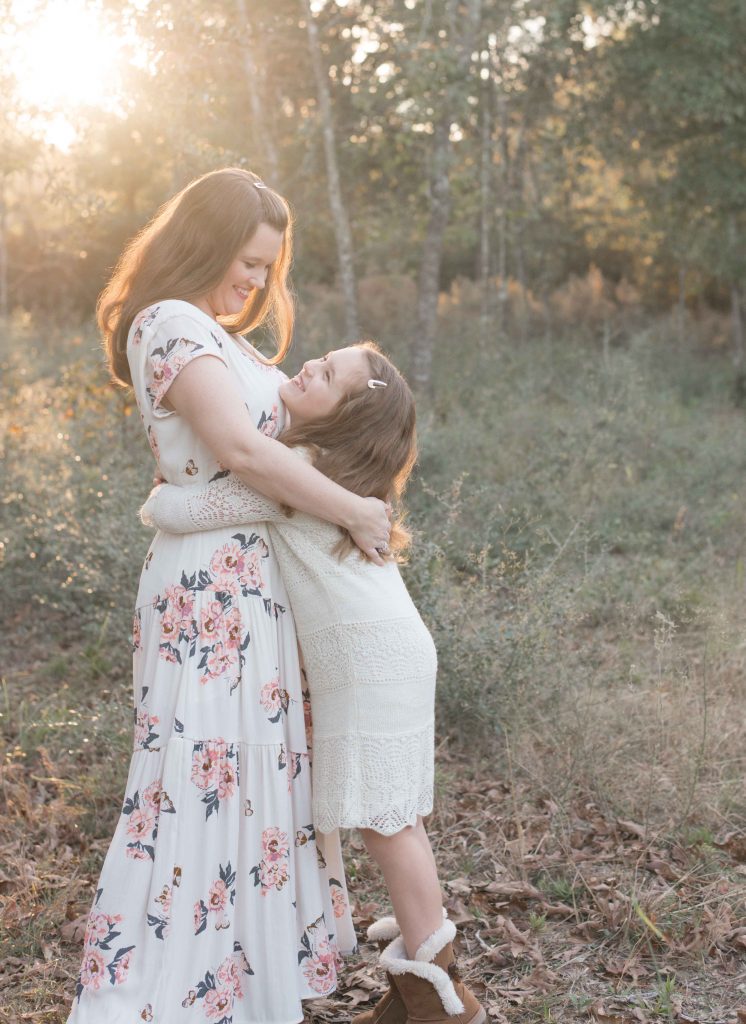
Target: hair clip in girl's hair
[(260, 184), (373, 383)]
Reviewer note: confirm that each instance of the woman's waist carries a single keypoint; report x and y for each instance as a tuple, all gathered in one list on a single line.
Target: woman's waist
[(229, 558)]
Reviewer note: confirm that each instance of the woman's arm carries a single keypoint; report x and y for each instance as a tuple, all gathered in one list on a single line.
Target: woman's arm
[(205, 394), (224, 502)]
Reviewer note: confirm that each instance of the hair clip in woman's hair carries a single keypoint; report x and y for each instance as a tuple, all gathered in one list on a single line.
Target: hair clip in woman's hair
[(373, 383), (260, 184)]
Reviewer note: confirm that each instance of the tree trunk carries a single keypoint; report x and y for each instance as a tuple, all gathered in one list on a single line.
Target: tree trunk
[(737, 323), (735, 300), (520, 267), (268, 152), (342, 232), (429, 282), (486, 206), (3, 256), (502, 209), (681, 307), (440, 202)]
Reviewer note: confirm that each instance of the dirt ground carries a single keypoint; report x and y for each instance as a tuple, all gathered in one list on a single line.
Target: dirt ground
[(565, 913)]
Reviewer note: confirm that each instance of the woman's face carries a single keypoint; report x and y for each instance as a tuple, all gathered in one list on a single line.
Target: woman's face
[(247, 272), (322, 383)]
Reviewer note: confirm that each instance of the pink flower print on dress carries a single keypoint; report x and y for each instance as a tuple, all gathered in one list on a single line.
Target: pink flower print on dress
[(273, 876), (307, 715), (92, 971), (166, 362), (145, 734), (268, 423), (292, 763), (169, 629), (97, 968), (180, 605), (274, 699), (227, 562), (339, 900), (272, 871), (121, 968), (219, 1004), (221, 661), (275, 844), (141, 824), (142, 321), (230, 971), (137, 631), (98, 927), (211, 622), (151, 796), (232, 628), (161, 920), (221, 896), (318, 954), (205, 766), (227, 780), (218, 989), (250, 577), (215, 771)]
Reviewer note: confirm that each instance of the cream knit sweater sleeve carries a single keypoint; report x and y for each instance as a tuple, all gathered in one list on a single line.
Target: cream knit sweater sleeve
[(224, 502)]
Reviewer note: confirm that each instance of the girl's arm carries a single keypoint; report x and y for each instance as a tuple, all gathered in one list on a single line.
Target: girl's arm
[(224, 502), (204, 393)]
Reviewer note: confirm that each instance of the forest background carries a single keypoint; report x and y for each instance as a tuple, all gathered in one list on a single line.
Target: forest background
[(539, 210)]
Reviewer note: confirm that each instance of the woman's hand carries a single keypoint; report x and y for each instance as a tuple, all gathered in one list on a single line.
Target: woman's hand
[(371, 528)]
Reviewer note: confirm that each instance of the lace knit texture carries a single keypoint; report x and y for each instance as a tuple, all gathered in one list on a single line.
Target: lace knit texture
[(370, 660)]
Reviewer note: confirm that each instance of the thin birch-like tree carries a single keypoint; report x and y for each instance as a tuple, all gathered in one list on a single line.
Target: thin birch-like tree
[(340, 220)]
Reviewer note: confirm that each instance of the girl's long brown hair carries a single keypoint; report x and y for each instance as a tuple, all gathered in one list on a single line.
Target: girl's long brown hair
[(185, 251), (368, 443)]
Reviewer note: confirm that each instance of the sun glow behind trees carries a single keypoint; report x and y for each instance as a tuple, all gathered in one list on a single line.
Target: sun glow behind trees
[(63, 57)]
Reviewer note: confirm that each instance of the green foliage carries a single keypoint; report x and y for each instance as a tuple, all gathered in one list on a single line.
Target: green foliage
[(617, 138)]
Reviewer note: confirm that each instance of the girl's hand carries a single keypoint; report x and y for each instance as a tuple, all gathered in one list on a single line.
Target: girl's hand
[(147, 511), (371, 529)]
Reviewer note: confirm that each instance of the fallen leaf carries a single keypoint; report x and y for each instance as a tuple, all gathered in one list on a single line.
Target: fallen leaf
[(74, 931), (631, 827), (458, 913)]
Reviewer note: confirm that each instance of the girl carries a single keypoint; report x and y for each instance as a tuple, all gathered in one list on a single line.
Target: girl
[(215, 902), (369, 659)]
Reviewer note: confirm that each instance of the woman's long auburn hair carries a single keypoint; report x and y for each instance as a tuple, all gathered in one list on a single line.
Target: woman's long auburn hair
[(186, 250), (368, 442)]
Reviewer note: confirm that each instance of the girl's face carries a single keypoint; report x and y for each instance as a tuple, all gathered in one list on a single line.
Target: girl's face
[(322, 383), (247, 272)]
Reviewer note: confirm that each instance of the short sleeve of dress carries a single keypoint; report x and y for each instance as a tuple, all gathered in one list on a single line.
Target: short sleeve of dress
[(170, 336)]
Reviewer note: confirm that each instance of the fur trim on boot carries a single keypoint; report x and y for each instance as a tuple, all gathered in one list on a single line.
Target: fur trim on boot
[(389, 1009), (383, 930), (429, 985), (394, 960)]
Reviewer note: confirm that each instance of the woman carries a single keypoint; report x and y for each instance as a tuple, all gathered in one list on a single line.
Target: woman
[(215, 901)]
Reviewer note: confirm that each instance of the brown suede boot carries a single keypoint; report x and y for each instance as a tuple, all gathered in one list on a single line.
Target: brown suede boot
[(429, 985), (389, 1009)]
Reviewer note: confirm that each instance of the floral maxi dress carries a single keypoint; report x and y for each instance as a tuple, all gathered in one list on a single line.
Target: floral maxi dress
[(217, 901)]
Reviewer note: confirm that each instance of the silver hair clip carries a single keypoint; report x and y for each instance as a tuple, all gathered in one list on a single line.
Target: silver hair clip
[(373, 383), (260, 184)]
